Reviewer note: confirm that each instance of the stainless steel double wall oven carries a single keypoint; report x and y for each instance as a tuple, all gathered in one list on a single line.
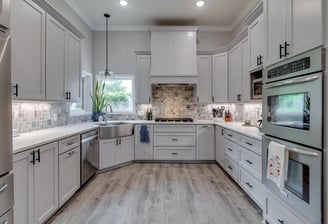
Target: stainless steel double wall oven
[(292, 116)]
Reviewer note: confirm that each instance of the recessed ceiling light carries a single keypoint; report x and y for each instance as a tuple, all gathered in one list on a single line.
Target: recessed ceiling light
[(200, 3), (123, 2)]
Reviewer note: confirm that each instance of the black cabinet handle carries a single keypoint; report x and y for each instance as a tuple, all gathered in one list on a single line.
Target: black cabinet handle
[(33, 157), (248, 143), (66, 96), (39, 156), (230, 149), (280, 51), (238, 97), (149, 99), (16, 90), (120, 141), (174, 139), (222, 132), (117, 141), (174, 153), (281, 221), (230, 167), (197, 99), (261, 62), (230, 135), (249, 185), (286, 45), (249, 162), (257, 61), (69, 95)]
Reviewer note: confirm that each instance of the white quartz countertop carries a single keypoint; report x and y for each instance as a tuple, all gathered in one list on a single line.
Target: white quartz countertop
[(36, 138)]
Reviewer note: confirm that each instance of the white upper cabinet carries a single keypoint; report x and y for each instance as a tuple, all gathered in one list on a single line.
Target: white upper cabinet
[(255, 43), (239, 79), (204, 83), (28, 54), (220, 77), (173, 53), (291, 27), (143, 79), (46, 56), (73, 67), (55, 59)]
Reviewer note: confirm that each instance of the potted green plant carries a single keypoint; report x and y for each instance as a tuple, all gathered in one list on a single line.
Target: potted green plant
[(99, 101)]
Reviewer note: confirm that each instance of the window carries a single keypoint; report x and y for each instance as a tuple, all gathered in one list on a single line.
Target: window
[(85, 105), (120, 93)]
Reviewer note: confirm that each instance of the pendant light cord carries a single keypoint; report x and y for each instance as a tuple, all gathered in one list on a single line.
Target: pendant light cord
[(107, 16)]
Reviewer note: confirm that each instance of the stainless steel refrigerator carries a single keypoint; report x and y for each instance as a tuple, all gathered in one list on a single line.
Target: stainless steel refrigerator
[(6, 175)]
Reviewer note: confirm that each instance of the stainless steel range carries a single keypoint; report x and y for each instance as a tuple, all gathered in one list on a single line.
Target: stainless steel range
[(174, 119), (292, 117)]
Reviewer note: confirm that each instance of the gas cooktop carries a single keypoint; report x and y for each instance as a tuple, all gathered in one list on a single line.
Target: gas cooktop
[(173, 119)]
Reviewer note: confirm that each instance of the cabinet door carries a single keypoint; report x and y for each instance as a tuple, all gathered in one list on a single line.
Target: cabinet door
[(184, 54), (28, 49), (161, 49), (255, 40), (55, 60), (143, 150), (275, 26), (73, 67), (235, 73), (125, 150), (219, 145), (306, 27), (205, 142), (23, 187), (69, 174), (204, 84), (220, 77), (107, 153), (45, 182), (143, 79), (246, 79)]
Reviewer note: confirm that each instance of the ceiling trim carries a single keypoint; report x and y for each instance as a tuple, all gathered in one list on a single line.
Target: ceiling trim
[(146, 28), (80, 13)]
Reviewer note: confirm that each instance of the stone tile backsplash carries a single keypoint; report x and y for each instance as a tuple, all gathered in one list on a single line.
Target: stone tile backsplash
[(33, 116), (168, 101)]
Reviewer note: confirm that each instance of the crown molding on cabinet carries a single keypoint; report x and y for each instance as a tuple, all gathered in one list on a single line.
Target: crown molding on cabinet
[(49, 8)]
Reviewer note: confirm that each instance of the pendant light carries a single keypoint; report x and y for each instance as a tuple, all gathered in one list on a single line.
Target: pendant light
[(107, 73)]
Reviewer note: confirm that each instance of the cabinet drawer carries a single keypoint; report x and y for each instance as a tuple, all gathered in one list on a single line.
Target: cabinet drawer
[(232, 168), (277, 213), (6, 193), (174, 153), (176, 139), (231, 149), (251, 144), (233, 136), (252, 186), (175, 128), (251, 161), (7, 218), (69, 143)]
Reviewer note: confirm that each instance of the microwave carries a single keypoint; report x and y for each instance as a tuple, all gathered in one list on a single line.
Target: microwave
[(256, 88)]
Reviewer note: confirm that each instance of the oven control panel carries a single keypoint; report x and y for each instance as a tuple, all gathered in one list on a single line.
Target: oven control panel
[(292, 67)]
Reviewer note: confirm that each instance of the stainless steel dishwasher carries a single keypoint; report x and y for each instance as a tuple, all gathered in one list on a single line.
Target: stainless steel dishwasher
[(89, 155)]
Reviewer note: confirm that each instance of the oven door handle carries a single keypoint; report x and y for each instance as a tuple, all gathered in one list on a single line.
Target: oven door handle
[(291, 82), (303, 152)]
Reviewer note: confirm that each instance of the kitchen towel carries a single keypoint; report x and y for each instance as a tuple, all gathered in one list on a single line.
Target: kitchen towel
[(277, 164), (144, 134)]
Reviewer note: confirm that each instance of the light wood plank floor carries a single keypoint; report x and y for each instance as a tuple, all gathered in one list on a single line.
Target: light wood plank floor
[(161, 194)]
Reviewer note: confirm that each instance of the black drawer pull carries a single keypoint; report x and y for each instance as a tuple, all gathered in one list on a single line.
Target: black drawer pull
[(230, 167), (174, 139), (281, 221), (249, 185), (70, 143), (33, 157), (230, 135), (230, 149), (175, 153), (249, 162), (248, 143)]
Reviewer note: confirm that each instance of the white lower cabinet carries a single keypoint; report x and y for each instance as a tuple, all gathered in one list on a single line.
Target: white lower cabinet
[(205, 142), (277, 213), (143, 150), (36, 184), (174, 153), (219, 145), (232, 168), (113, 152), (69, 174)]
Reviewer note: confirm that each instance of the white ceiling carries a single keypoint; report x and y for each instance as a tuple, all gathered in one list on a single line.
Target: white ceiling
[(139, 14)]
